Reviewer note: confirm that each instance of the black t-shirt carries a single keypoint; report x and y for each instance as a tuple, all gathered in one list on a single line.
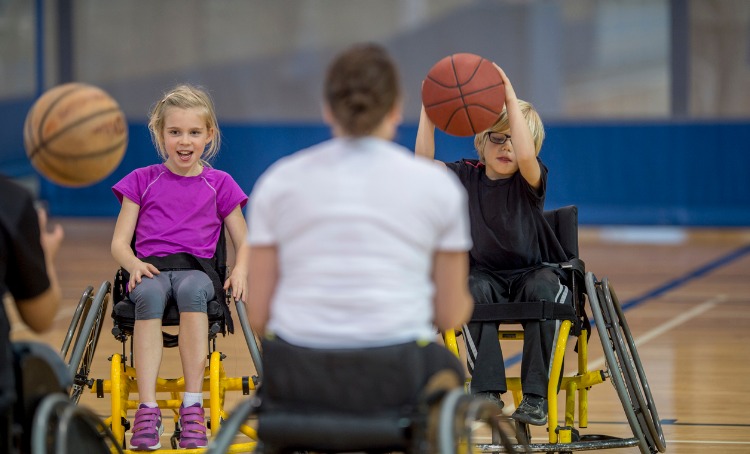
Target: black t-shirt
[(507, 221), (22, 268)]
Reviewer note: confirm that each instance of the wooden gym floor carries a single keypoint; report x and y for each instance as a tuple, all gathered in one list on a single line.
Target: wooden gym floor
[(686, 295)]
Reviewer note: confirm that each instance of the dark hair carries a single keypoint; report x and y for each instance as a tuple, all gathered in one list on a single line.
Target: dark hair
[(361, 87)]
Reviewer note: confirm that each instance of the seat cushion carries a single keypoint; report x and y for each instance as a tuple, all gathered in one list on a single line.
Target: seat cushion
[(124, 313)]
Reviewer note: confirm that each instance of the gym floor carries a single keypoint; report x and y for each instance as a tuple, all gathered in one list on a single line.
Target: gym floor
[(686, 296)]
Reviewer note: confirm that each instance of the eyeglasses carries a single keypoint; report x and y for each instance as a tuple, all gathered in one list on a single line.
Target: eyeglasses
[(498, 137)]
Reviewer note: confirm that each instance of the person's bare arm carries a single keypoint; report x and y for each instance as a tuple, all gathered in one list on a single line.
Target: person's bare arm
[(453, 302), (121, 250), (263, 275), (38, 313), (237, 228), (425, 144), (523, 142)]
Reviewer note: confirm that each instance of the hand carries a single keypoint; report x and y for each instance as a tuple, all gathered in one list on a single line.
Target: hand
[(51, 241), (237, 281), (139, 271), (510, 93)]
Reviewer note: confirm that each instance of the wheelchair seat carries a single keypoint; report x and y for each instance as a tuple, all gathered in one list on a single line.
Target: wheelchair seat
[(219, 316)]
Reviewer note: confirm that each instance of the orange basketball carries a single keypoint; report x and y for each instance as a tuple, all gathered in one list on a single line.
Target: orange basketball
[(463, 94), (75, 134)]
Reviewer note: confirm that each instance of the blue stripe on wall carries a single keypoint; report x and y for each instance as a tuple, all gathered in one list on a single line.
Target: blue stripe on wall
[(690, 174)]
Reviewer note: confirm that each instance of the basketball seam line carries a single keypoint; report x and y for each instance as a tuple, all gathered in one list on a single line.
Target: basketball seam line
[(52, 138), (459, 97), (46, 114), (437, 82), (66, 173), (94, 154)]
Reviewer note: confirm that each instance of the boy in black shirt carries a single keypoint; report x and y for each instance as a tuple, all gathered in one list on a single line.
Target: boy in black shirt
[(512, 241)]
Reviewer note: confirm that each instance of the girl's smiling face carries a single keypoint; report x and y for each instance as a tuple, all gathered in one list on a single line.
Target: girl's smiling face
[(186, 135)]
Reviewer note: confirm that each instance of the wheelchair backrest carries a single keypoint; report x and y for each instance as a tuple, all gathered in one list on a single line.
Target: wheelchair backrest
[(564, 222)]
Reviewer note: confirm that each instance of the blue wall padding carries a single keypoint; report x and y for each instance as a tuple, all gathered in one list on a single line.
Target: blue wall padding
[(13, 162), (647, 173), (666, 174)]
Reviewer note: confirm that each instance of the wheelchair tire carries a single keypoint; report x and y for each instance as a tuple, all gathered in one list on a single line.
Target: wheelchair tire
[(251, 340), (481, 410), (609, 337), (223, 440), (87, 338), (75, 322), (639, 387), (458, 413), (60, 427)]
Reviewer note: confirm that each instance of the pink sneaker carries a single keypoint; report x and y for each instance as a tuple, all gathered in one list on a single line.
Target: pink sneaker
[(193, 426), (147, 429)]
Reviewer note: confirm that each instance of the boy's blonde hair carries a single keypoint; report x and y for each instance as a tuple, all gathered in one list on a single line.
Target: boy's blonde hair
[(503, 125), (185, 96)]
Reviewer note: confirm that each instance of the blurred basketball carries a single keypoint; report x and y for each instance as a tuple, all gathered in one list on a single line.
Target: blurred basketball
[(75, 134), (463, 94)]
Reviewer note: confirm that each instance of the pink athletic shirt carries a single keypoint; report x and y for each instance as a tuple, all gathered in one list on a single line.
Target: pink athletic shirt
[(177, 213)]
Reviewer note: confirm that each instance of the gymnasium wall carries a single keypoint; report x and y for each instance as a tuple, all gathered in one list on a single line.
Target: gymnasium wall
[(634, 174), (646, 102)]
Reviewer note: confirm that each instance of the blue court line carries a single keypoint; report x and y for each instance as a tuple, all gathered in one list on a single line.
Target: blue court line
[(674, 422), (671, 285)]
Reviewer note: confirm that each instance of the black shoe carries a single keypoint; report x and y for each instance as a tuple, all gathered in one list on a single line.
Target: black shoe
[(492, 397), (532, 410)]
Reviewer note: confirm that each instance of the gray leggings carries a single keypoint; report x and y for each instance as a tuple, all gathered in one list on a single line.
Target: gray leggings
[(191, 289)]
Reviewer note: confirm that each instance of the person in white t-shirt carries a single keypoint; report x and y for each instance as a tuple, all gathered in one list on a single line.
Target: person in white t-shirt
[(354, 244)]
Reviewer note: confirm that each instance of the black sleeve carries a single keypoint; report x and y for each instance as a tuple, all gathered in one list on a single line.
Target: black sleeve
[(537, 196), (464, 169), (26, 273)]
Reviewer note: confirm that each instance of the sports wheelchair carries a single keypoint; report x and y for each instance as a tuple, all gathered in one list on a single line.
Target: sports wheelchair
[(45, 420), (320, 400), (623, 365), (86, 326)]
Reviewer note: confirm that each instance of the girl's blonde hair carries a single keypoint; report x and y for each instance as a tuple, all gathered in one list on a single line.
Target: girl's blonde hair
[(185, 96), (503, 125)]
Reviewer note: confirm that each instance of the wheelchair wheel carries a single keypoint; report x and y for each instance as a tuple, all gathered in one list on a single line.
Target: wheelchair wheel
[(251, 340), (60, 426), (620, 368), (639, 386), (75, 322), (459, 412), (82, 355), (223, 440)]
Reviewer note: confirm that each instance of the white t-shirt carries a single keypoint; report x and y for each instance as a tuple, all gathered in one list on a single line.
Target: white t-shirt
[(356, 223)]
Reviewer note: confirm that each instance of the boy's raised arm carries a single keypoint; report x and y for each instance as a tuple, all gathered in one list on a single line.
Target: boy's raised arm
[(523, 142), (425, 145)]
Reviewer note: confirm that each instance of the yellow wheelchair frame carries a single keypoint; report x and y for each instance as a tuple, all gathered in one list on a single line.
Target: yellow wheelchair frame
[(81, 341), (623, 367)]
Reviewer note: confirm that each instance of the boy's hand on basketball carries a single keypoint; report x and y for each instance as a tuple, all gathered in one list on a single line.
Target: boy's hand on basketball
[(426, 120), (509, 91), (141, 270)]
